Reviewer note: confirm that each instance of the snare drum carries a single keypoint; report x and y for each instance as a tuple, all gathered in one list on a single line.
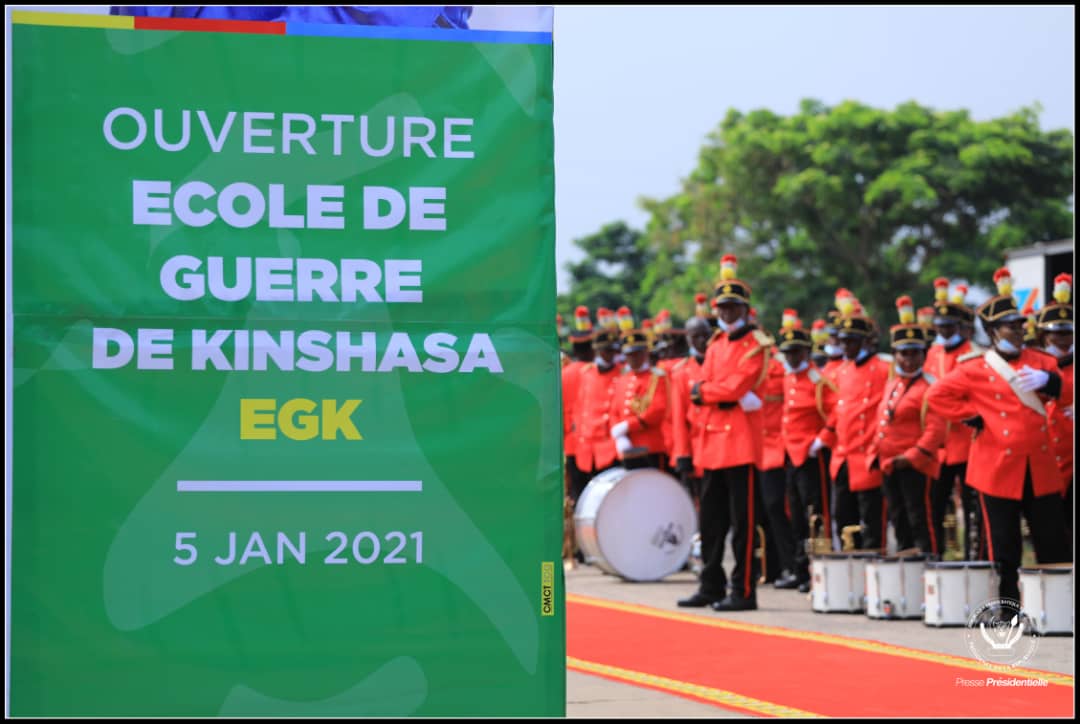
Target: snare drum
[(1046, 596), (894, 587), (954, 589), (637, 524), (837, 581)]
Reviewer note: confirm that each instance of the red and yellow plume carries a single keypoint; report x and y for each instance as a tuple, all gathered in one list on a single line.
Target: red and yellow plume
[(605, 318), (925, 316), (856, 306), (1003, 279), (817, 332), (728, 266), (906, 309), (1063, 288), (649, 330), (941, 289), (662, 321), (701, 306), (625, 318), (844, 301), (789, 319), (582, 323), (959, 293)]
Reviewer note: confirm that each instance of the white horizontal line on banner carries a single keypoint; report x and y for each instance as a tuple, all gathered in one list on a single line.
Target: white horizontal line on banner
[(299, 486)]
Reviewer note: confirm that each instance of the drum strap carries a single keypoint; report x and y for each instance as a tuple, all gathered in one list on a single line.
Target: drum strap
[(999, 365), (641, 404)]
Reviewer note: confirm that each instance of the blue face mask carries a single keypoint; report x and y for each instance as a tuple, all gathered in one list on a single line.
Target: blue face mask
[(953, 340), (734, 326), (1004, 345), (834, 350), (789, 369), (863, 354)]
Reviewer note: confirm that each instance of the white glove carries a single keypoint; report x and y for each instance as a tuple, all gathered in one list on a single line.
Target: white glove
[(1028, 379), (1068, 412), (750, 402), (622, 444), (815, 447), (620, 430)]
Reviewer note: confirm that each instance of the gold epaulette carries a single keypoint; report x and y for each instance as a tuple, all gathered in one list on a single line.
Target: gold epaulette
[(680, 363), (930, 379), (973, 354), (886, 357), (716, 335), (819, 379), (763, 338), (658, 372)]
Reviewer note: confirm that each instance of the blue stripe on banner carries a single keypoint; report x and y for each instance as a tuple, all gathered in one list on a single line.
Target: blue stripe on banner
[(383, 32)]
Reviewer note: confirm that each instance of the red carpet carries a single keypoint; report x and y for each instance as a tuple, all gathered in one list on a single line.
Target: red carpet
[(772, 671)]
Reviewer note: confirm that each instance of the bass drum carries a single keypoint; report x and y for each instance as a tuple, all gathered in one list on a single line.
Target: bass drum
[(637, 524)]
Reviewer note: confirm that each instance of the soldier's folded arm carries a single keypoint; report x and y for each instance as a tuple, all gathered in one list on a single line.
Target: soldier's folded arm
[(949, 397), (733, 385)]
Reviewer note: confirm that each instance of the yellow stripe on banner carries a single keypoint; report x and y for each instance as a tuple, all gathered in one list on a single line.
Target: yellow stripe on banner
[(717, 696), (852, 643), (72, 20)]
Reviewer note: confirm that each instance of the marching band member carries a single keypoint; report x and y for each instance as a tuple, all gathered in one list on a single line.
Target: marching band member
[(1002, 394), (594, 450), (906, 446), (1055, 324), (809, 397), (951, 318), (735, 363), (582, 354), (638, 406), (860, 382)]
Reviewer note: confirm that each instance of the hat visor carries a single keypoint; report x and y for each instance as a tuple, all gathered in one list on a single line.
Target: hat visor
[(1065, 326), (909, 344), (627, 348), (794, 344), (730, 299), (1009, 317), (851, 334), (946, 319)]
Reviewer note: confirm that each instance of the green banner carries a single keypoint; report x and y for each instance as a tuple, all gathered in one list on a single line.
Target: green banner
[(286, 404)]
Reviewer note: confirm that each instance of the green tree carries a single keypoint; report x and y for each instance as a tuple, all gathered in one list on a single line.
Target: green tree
[(614, 272), (878, 201)]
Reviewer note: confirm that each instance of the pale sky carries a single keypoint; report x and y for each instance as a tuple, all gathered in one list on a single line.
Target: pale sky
[(638, 88)]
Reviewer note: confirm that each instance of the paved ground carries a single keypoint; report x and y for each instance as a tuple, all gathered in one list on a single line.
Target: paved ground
[(591, 696)]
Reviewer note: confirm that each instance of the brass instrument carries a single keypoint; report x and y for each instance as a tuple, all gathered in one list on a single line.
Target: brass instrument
[(847, 536), (952, 548), (760, 553), (820, 540)]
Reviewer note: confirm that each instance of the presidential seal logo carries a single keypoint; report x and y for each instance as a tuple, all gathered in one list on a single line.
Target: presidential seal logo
[(995, 634)]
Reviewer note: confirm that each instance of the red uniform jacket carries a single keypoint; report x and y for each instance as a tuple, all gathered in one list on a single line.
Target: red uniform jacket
[(667, 365), (809, 398), (593, 446), (852, 423), (771, 392), (832, 368), (940, 361), (1013, 436), (687, 419), (1061, 424), (641, 400), (907, 427), (734, 365), (571, 379)]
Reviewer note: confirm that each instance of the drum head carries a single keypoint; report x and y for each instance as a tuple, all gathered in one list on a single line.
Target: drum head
[(645, 524), (954, 565)]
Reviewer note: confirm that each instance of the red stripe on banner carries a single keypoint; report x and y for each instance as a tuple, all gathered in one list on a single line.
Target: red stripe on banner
[(815, 676), (201, 25)]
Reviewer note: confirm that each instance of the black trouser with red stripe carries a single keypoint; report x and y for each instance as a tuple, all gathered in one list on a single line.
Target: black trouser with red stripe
[(845, 506), (941, 491), (808, 491), (910, 505), (1045, 515), (728, 495)]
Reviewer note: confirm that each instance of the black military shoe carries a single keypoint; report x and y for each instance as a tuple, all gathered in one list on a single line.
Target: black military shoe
[(735, 603), (804, 587), (698, 600), (787, 579)]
